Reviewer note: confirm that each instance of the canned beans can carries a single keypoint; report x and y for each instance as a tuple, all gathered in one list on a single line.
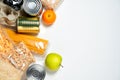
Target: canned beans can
[(28, 25)]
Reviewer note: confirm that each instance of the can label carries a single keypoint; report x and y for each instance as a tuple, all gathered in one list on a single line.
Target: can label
[(28, 25)]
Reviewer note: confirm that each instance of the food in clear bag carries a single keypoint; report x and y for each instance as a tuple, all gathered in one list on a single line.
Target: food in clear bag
[(6, 45), (52, 4), (14, 59), (22, 57)]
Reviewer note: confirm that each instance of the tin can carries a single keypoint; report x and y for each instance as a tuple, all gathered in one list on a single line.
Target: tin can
[(35, 72), (28, 25), (15, 4), (33, 7)]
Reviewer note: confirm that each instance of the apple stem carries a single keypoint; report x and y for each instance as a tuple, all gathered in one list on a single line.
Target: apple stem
[(62, 66)]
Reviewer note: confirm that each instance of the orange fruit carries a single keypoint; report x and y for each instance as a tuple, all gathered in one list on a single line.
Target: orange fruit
[(48, 17)]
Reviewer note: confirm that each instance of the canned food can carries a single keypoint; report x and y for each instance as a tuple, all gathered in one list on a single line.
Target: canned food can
[(33, 7), (15, 4), (35, 72), (28, 25)]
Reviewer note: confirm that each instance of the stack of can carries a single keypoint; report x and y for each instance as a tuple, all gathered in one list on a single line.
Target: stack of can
[(33, 9), (30, 24)]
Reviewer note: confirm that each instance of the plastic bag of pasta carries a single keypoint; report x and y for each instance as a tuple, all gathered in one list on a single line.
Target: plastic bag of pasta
[(35, 44)]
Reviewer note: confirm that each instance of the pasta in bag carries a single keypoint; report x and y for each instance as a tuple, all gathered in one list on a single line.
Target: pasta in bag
[(33, 43)]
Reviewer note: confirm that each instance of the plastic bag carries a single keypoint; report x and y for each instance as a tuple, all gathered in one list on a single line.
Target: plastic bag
[(51, 4), (22, 57), (17, 55)]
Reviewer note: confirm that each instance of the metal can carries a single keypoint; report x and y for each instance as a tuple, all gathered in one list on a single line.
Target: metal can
[(28, 25), (15, 4), (35, 72), (33, 7)]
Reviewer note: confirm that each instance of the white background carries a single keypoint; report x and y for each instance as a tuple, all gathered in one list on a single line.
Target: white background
[(87, 35)]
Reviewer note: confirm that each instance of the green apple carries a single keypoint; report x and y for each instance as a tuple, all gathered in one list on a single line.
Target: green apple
[(53, 61)]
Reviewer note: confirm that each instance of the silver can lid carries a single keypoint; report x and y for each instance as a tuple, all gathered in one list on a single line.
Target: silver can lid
[(33, 7), (36, 72)]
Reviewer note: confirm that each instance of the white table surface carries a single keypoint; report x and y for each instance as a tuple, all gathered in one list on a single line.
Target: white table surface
[(87, 35)]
